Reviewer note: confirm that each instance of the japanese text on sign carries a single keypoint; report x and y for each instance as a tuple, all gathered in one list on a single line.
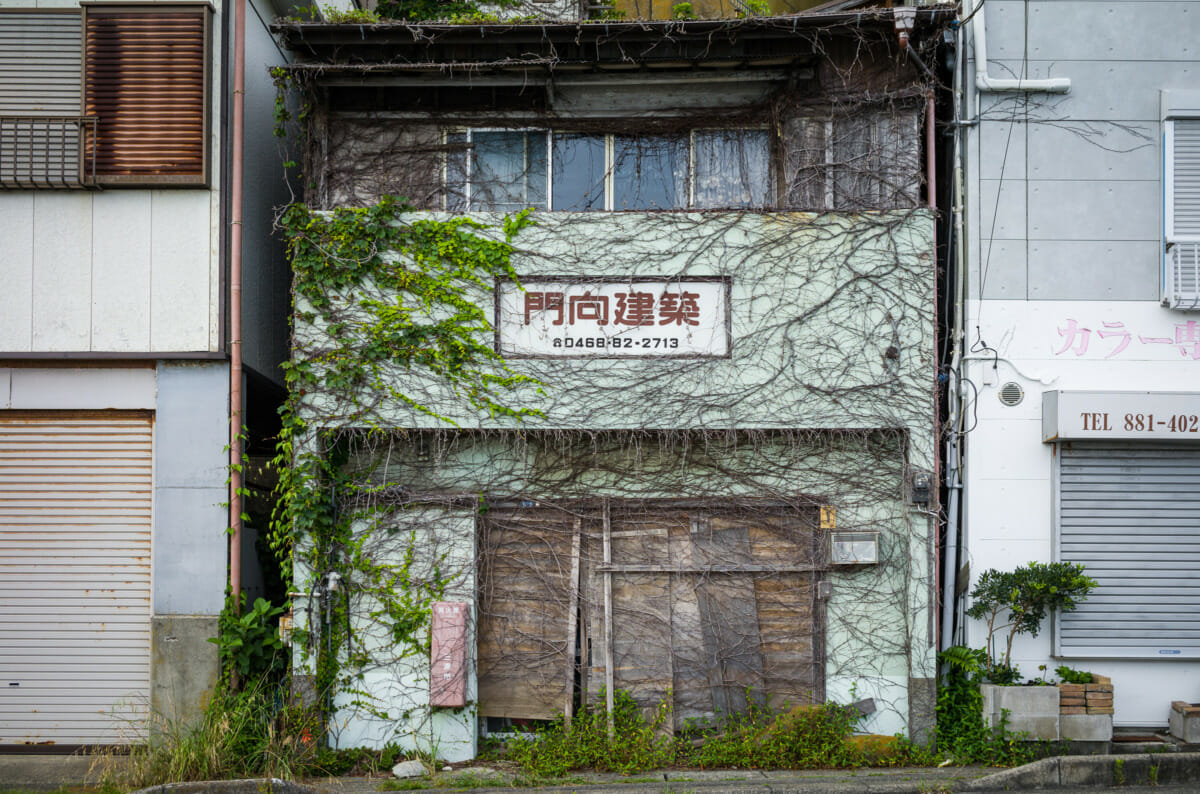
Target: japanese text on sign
[(614, 318)]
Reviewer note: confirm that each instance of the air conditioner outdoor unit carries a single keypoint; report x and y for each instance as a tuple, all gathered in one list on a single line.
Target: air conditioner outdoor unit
[(1181, 271)]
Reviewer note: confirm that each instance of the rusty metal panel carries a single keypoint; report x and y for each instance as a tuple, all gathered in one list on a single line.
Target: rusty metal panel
[(75, 532), (146, 83)]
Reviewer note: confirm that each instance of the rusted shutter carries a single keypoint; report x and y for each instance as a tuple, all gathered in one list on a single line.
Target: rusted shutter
[(75, 507), (145, 80)]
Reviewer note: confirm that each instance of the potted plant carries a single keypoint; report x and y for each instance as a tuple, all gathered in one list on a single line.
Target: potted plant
[(1012, 603)]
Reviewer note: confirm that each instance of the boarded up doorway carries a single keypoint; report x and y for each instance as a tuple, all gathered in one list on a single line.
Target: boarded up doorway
[(710, 604)]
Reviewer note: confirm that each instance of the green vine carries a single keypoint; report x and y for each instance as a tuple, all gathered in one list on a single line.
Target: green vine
[(393, 295)]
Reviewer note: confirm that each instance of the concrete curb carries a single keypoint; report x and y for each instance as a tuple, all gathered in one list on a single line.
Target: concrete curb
[(1145, 769), (255, 786)]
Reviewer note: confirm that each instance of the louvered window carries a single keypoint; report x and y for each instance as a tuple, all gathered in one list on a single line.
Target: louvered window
[(107, 96), (146, 84), (1181, 267), (40, 123)]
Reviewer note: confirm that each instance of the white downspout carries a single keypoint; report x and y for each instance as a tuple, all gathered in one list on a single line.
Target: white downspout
[(1054, 85)]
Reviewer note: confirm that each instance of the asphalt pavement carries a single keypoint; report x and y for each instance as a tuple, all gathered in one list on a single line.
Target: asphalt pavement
[(1140, 772)]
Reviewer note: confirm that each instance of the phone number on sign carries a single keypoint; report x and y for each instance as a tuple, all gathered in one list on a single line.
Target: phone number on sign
[(617, 342), (1175, 423)]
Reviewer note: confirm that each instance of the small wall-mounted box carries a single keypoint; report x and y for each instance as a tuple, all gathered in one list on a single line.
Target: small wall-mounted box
[(448, 657), (853, 548)]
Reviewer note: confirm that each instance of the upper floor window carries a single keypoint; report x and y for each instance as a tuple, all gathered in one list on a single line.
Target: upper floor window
[(505, 169), (1181, 199), (110, 95)]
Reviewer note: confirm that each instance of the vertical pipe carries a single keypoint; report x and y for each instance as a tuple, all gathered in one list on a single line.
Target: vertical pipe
[(936, 478), (236, 477), (609, 681)]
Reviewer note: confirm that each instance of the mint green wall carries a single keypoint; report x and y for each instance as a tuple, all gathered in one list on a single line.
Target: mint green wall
[(832, 322)]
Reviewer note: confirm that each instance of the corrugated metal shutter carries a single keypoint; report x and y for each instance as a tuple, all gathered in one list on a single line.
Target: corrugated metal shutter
[(75, 502), (40, 98), (146, 82), (1186, 178), (1131, 514), (40, 63)]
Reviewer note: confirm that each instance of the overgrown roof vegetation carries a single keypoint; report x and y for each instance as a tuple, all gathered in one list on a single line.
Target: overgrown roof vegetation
[(470, 12)]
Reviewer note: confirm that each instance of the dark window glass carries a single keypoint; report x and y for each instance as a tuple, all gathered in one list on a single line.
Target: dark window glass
[(731, 169), (649, 172), (508, 170), (578, 169)]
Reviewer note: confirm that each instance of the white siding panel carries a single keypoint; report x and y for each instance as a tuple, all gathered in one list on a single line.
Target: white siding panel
[(1114, 210), (1128, 31), (121, 271), (16, 265), (62, 271), (75, 526), (183, 270), (1096, 150)]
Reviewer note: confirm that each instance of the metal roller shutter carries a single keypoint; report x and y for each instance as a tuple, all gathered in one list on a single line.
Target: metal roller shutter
[(75, 502), (40, 98), (146, 82), (1131, 514)]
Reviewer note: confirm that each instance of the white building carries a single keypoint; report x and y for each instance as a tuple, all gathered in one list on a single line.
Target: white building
[(115, 217), (1079, 357)]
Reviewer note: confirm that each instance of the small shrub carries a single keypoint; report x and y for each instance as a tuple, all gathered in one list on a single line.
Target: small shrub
[(805, 737), (355, 15), (1027, 594), (682, 11), (637, 743), (1071, 676), (249, 643)]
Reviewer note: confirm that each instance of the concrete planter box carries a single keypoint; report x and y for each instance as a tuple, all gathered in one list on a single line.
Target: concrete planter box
[(1032, 710), (1184, 721)]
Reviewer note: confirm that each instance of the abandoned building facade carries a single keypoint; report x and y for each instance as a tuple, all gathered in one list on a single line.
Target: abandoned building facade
[(721, 319)]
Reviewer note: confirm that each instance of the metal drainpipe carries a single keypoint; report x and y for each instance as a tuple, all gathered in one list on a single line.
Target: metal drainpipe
[(236, 477), (931, 201), (974, 12), (954, 392)]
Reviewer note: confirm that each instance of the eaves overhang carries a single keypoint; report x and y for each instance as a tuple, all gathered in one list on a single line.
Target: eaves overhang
[(377, 50)]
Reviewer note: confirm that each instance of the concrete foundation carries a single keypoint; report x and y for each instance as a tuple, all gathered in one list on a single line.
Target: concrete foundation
[(184, 667), (922, 709), (1032, 710)]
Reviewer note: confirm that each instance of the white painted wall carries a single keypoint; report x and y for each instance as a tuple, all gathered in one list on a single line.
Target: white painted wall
[(112, 271)]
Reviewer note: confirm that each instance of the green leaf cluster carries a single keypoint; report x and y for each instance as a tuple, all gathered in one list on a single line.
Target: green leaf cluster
[(961, 732), (249, 643)]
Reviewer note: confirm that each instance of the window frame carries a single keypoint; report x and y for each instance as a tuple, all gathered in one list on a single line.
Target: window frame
[(1178, 107), (467, 170)]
